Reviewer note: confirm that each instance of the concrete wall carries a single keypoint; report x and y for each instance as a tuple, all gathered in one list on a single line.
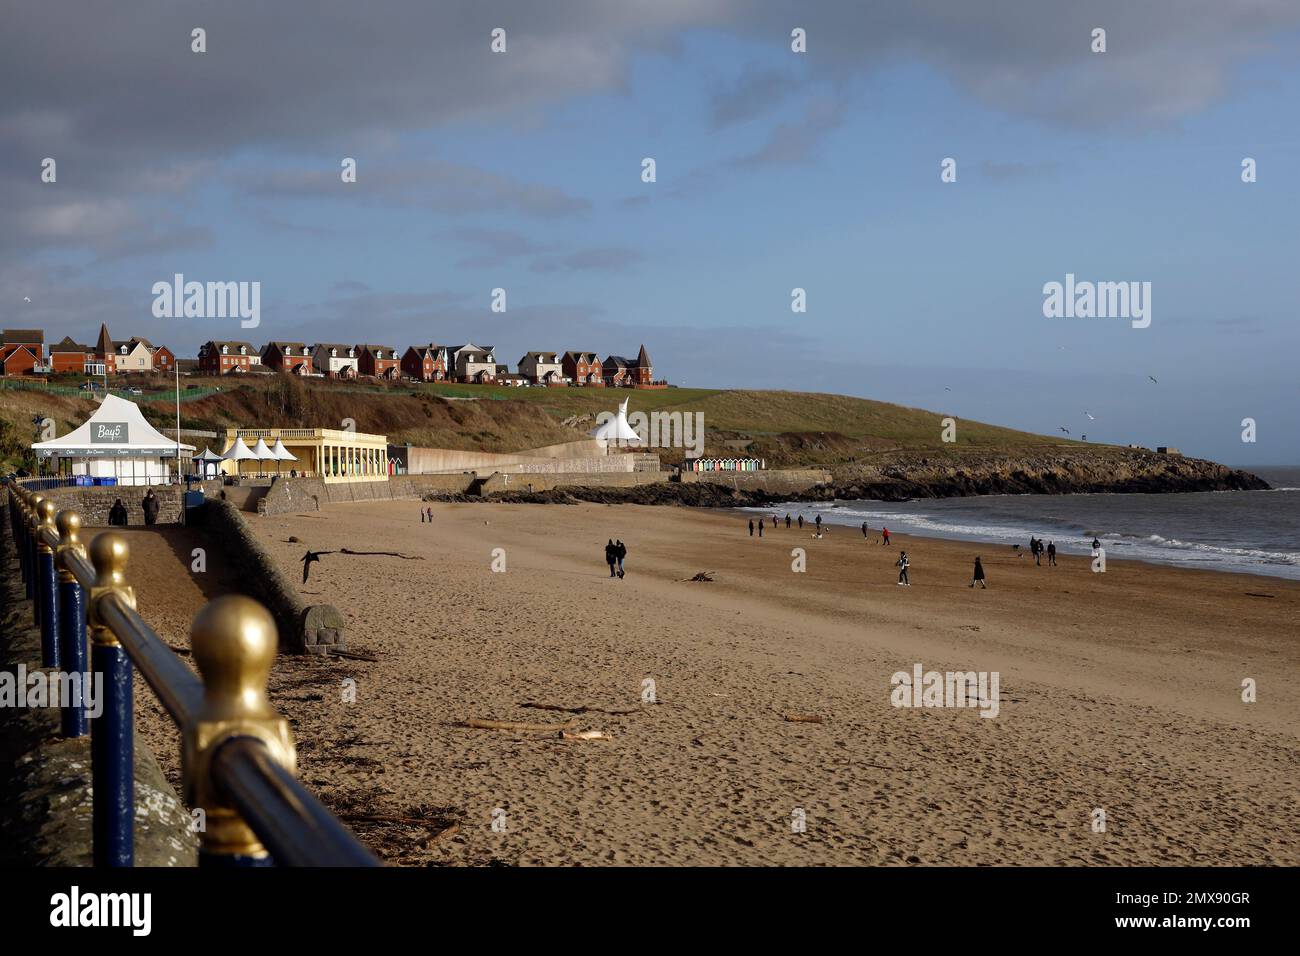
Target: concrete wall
[(288, 495), (774, 481), (502, 482)]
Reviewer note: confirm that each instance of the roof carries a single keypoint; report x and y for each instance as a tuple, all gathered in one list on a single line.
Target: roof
[(104, 344), (620, 360), (233, 344), (117, 427), (471, 347), (22, 337), (283, 345), (67, 345), (643, 358), (333, 345), (581, 356), (548, 357), (374, 348), (429, 351), (19, 351)]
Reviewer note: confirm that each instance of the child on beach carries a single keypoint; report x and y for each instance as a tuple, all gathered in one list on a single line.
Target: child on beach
[(979, 574), (903, 565)]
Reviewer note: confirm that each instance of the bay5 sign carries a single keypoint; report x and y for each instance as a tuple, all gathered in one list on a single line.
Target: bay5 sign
[(110, 433)]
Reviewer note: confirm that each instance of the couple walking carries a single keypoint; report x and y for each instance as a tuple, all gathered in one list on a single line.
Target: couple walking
[(614, 555)]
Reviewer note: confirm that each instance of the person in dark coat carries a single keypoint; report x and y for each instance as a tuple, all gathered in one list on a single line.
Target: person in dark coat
[(751, 527), (760, 527), (801, 521), (864, 529), (1051, 553), (611, 555), (979, 574), (903, 564), (117, 514), (150, 507), (819, 522), (620, 552), (787, 522)]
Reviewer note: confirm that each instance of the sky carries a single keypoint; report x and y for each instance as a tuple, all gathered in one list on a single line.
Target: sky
[(774, 170)]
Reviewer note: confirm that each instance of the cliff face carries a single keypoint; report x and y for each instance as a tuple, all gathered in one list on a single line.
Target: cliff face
[(1105, 471)]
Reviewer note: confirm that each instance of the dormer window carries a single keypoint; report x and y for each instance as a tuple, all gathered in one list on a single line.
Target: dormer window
[(122, 349), (225, 349), (334, 353), (243, 350)]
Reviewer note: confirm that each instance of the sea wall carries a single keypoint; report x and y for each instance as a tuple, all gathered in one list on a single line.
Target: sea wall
[(499, 483), (777, 481), (304, 628), (570, 457)]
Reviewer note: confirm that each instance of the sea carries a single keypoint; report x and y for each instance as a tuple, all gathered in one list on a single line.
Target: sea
[(1254, 532)]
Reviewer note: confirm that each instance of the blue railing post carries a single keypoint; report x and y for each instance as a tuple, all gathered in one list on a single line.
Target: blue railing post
[(112, 733), (72, 620), (47, 591)]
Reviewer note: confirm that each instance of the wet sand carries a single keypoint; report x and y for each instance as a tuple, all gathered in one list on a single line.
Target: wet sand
[(1118, 691)]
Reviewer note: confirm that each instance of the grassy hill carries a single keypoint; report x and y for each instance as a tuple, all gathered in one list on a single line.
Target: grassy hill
[(784, 427)]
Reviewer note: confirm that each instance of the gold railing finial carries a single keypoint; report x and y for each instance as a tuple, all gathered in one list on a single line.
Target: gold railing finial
[(109, 554), (45, 512), (68, 524), (234, 641)]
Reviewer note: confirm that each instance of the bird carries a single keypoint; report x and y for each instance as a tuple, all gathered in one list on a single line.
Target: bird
[(27, 298), (1153, 378), (947, 389), (1090, 418), (307, 560), (1064, 429)]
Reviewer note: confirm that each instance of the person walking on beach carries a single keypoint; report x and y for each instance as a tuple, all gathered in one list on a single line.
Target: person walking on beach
[(760, 527), (819, 524), (787, 521), (751, 527), (620, 552), (903, 565), (864, 529), (1051, 553), (611, 555), (801, 521), (979, 574), (150, 507), (421, 516), (884, 533), (117, 514)]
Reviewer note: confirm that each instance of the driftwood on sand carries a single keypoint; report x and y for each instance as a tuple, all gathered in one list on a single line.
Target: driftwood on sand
[(805, 718), (479, 724), (584, 709)]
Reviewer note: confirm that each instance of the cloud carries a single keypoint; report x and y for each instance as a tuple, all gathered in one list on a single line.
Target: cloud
[(794, 143), (755, 92)]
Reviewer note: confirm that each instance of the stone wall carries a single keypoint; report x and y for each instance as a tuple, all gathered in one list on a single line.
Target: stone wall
[(568, 458), (630, 479), (94, 503), (775, 481)]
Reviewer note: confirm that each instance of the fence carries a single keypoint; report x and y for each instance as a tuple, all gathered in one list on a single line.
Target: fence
[(169, 396), (238, 756)]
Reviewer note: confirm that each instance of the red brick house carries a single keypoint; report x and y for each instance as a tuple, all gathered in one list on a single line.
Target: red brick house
[(223, 358), (21, 350), (425, 363), (583, 368), (163, 359), (620, 372), (379, 361), (70, 356), (287, 357)]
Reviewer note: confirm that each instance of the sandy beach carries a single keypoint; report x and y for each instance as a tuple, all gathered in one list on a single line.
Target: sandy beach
[(1119, 692)]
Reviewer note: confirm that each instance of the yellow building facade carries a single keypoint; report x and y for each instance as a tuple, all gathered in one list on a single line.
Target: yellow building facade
[(328, 453)]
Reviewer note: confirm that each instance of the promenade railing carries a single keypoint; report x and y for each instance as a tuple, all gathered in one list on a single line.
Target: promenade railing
[(238, 755)]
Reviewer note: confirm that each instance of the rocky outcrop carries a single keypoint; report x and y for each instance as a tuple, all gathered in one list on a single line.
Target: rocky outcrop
[(901, 478)]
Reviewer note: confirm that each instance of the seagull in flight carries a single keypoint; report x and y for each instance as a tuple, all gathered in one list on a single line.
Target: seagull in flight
[(1153, 378), (1064, 429), (1090, 418), (27, 298)]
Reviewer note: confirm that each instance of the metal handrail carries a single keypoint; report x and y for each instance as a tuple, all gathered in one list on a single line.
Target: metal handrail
[(293, 824), (239, 758)]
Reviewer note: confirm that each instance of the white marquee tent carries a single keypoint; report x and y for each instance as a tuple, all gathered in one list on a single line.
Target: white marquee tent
[(115, 442), (617, 430)]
